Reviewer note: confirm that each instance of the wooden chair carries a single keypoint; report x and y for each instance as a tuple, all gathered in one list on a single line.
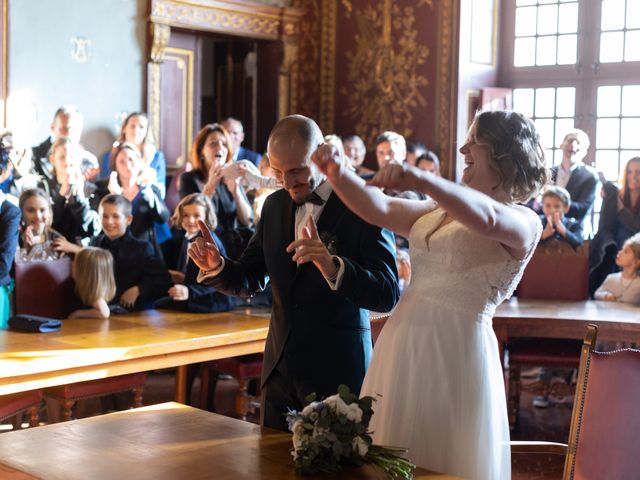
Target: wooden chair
[(605, 422), (68, 395), (244, 368), (46, 288), (556, 272), (16, 404)]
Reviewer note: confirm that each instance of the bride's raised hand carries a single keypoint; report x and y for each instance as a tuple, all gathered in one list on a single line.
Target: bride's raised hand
[(394, 176), (327, 159)]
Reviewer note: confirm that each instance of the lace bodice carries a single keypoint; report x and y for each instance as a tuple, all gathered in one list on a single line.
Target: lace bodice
[(456, 267)]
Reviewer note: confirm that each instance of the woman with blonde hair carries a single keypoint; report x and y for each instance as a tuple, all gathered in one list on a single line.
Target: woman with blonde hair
[(95, 283)]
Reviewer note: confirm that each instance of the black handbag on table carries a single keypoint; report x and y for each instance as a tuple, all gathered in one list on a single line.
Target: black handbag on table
[(34, 323)]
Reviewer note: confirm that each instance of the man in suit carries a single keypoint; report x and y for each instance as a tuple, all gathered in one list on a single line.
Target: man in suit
[(236, 134), (67, 122), (579, 179), (323, 279)]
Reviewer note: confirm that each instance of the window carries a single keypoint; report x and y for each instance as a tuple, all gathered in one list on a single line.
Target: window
[(576, 63)]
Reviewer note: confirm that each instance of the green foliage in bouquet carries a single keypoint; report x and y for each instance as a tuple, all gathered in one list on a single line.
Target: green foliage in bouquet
[(335, 431)]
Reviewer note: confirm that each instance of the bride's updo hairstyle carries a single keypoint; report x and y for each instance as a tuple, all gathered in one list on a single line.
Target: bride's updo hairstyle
[(516, 154)]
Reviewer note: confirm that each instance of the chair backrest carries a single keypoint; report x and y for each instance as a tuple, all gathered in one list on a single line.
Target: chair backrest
[(556, 272), (44, 288), (605, 425)]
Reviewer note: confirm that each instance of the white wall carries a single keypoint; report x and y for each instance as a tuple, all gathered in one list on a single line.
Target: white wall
[(42, 75)]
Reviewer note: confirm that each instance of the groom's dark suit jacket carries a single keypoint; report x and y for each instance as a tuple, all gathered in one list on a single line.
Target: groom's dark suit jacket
[(315, 332)]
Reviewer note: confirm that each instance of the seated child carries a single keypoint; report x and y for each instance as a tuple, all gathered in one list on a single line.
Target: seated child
[(555, 204), (141, 276), (9, 224), (623, 286), (37, 238), (92, 272), (187, 294)]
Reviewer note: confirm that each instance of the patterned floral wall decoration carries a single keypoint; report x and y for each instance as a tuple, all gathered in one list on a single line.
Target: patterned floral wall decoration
[(386, 79), (309, 58)]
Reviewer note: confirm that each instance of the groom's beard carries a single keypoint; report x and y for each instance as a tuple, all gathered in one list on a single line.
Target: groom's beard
[(317, 178)]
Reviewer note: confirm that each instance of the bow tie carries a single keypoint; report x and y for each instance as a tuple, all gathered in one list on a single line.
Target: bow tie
[(313, 197)]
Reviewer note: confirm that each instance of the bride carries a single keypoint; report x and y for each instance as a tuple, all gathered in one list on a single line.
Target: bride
[(436, 368)]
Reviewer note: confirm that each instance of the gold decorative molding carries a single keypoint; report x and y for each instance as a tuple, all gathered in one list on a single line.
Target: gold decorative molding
[(446, 91), (328, 66), (232, 17), (160, 34), (385, 81)]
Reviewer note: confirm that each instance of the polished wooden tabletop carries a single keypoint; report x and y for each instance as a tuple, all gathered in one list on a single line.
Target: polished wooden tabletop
[(559, 319), (166, 441), (88, 349)]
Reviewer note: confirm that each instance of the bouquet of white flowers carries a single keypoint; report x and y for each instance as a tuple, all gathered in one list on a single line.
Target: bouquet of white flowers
[(334, 431)]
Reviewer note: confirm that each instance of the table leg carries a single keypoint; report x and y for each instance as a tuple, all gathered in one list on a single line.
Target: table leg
[(181, 384)]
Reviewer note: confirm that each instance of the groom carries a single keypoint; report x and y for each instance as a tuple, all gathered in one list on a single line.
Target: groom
[(324, 278)]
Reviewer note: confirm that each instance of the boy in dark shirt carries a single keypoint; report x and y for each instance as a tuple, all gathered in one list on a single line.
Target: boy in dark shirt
[(556, 202), (141, 276)]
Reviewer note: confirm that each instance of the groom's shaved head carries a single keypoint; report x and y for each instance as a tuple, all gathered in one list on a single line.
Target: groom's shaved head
[(291, 143), (294, 132)]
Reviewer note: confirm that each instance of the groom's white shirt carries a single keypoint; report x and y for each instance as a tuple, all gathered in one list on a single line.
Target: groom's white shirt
[(303, 212)]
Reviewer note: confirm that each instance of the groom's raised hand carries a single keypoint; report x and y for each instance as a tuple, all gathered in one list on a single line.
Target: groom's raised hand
[(310, 248), (203, 250)]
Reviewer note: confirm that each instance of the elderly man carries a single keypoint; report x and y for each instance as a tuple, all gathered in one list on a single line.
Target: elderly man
[(326, 266), (236, 134)]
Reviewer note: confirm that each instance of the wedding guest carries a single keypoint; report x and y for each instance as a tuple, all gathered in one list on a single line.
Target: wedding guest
[(37, 237), (403, 263), (92, 273), (215, 175), (623, 286), (9, 227), (619, 220), (579, 179), (72, 197), (135, 181), (429, 162), (556, 202), (390, 148), (236, 136), (452, 414), (356, 150), (140, 274), (187, 294), (326, 267), (414, 151), (67, 122), (135, 130)]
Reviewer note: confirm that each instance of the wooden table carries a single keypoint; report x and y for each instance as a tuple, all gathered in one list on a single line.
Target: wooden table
[(166, 441), (88, 349), (557, 319)]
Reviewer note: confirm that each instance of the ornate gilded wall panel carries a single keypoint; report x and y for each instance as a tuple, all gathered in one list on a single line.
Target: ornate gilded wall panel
[(235, 19), (383, 58), (309, 58)]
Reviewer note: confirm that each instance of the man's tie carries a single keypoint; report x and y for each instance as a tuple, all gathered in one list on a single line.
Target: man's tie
[(313, 197)]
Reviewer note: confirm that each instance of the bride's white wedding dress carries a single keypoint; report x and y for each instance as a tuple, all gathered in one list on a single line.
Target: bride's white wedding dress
[(436, 365)]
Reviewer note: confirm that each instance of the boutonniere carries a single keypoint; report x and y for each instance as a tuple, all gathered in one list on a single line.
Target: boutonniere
[(330, 242)]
